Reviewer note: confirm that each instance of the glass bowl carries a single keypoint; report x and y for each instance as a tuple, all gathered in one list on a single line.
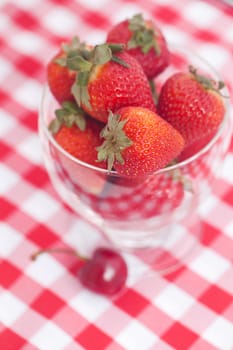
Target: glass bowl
[(154, 213)]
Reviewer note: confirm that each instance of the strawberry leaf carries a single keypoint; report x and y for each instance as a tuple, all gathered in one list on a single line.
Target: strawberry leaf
[(102, 54), (78, 63), (154, 91), (85, 96), (76, 92), (83, 78), (68, 115), (80, 89), (142, 36), (116, 47), (54, 126), (72, 49), (115, 141), (80, 93), (61, 61), (74, 45), (118, 60), (206, 82)]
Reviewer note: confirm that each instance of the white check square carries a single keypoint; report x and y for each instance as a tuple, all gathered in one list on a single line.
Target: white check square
[(136, 337), (30, 88), (9, 239), (194, 10), (210, 265), (40, 206), (220, 334), (89, 305), (174, 301), (11, 308), (45, 270), (59, 15), (8, 178), (50, 337)]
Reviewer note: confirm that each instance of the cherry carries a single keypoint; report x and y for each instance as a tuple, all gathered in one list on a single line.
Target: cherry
[(105, 272)]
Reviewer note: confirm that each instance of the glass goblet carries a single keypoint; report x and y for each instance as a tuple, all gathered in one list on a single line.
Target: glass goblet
[(156, 214)]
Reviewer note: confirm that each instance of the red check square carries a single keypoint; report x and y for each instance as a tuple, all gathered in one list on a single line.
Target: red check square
[(210, 233), (37, 176), (206, 35), (96, 19), (9, 273), (93, 338), (132, 302), (25, 19), (10, 340), (30, 120), (228, 197), (48, 303), (4, 149), (7, 209), (166, 14), (180, 337), (216, 299), (42, 236), (30, 66)]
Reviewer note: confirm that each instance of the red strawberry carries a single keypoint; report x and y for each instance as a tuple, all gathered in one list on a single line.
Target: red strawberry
[(153, 195), (195, 146), (193, 105), (144, 41), (138, 141), (77, 133), (109, 79), (60, 77)]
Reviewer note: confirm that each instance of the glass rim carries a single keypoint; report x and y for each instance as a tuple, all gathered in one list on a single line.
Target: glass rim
[(46, 92)]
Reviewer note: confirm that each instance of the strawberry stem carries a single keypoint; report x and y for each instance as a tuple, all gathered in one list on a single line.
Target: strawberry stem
[(207, 83)]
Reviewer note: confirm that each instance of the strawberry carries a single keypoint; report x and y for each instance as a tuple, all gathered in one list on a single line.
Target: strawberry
[(60, 77), (195, 146), (138, 142), (109, 79), (153, 195), (77, 133), (193, 105), (144, 41)]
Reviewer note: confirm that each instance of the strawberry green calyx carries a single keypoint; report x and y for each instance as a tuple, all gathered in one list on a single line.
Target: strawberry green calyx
[(68, 115), (207, 83), (154, 91), (84, 65), (115, 141), (142, 36), (74, 48)]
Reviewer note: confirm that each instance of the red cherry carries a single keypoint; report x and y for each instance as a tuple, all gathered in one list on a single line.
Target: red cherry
[(104, 273)]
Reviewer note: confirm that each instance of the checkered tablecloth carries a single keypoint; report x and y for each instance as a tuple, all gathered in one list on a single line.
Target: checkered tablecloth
[(42, 304)]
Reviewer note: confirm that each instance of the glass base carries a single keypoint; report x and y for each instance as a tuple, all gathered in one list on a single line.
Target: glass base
[(157, 250), (162, 252)]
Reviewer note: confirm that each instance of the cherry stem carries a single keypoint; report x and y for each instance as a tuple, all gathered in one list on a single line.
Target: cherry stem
[(57, 250)]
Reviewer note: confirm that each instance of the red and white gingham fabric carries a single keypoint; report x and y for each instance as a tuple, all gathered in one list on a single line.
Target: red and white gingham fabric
[(42, 304)]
